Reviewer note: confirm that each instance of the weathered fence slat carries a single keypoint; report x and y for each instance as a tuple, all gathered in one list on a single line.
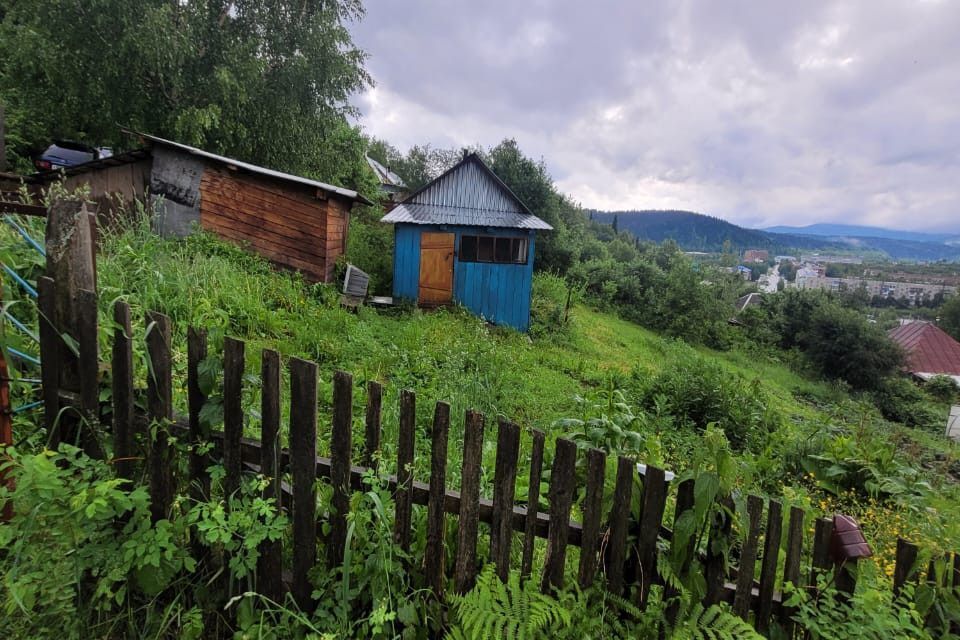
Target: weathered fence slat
[(791, 566), (651, 515), (122, 391), (270, 562), (233, 367), (820, 560), (403, 503), (715, 560), (196, 398), (533, 502), (562, 479), (592, 503), (616, 554), (372, 429), (768, 569), (303, 447), (685, 503), (905, 569), (160, 411), (748, 558), (436, 520), (341, 447), (504, 486), (465, 570)]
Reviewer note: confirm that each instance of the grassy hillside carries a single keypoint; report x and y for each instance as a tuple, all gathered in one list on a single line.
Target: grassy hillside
[(807, 442)]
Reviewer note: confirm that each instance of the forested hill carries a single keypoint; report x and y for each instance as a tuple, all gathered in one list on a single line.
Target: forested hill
[(699, 232)]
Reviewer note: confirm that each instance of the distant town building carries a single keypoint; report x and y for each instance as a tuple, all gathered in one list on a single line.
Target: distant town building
[(825, 258), (745, 272), (786, 259), (915, 292), (756, 255)]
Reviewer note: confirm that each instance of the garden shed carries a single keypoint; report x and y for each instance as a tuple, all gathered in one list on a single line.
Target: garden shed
[(466, 237), (292, 221)]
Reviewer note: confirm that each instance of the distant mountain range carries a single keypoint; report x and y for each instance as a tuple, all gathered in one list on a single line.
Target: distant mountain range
[(856, 231), (699, 232)]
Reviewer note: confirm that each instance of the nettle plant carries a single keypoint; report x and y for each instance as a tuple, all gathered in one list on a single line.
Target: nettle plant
[(79, 545)]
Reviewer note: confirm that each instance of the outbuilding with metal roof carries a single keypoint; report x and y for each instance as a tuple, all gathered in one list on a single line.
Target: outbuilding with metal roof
[(466, 238)]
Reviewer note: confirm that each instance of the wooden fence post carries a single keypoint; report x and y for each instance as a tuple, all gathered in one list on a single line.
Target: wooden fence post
[(616, 555), (768, 569), (70, 264), (748, 558), (270, 562), (592, 505), (160, 412), (533, 503), (6, 432), (403, 504), (341, 447), (122, 383), (233, 368), (435, 553), (199, 432), (504, 486), (372, 424), (466, 565), (654, 499), (303, 456), (562, 478)]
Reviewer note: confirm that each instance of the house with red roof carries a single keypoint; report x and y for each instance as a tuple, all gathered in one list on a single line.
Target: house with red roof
[(930, 350)]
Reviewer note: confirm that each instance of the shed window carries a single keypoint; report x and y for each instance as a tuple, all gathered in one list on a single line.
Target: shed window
[(498, 249)]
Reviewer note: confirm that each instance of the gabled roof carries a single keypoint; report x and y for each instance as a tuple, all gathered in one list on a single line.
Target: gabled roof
[(929, 349), (252, 168), (468, 193), (384, 175), (749, 300)]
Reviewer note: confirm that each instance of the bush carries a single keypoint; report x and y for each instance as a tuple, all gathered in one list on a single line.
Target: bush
[(698, 391), (942, 388), (900, 400), (549, 305)]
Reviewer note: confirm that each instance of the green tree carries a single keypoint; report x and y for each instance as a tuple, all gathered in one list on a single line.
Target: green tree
[(950, 316), (267, 81), (616, 224)]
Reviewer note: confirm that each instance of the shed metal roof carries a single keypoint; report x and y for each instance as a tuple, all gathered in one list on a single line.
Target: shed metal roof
[(252, 168), (929, 349), (468, 194)]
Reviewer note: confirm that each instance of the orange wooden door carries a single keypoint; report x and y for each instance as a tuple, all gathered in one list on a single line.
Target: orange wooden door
[(436, 268)]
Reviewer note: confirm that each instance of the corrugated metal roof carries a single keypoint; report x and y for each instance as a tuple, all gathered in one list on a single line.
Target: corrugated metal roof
[(252, 168), (438, 214), (929, 349), (384, 175), (467, 194)]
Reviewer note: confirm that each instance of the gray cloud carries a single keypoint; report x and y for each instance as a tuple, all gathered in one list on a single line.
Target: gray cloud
[(759, 112)]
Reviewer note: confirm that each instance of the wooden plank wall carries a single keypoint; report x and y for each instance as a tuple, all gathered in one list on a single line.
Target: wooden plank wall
[(113, 188), (287, 225)]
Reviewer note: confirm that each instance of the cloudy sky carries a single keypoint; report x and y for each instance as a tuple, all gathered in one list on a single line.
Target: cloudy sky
[(758, 112)]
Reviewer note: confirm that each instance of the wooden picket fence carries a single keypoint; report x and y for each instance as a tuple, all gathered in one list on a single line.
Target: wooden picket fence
[(623, 549)]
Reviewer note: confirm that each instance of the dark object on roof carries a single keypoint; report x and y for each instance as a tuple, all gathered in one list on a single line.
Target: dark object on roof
[(847, 541), (67, 153), (929, 348), (467, 194)]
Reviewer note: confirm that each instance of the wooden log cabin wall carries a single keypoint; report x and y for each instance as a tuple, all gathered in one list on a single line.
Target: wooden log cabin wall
[(294, 222)]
